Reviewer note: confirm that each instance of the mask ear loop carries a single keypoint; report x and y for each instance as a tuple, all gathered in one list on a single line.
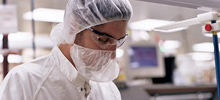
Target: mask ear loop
[(121, 42)]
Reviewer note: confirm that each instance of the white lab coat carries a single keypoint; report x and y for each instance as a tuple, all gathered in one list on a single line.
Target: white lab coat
[(53, 77)]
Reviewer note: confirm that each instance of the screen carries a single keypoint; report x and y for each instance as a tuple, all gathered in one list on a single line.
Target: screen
[(143, 57)]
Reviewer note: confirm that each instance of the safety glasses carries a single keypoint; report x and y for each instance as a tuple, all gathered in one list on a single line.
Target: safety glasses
[(106, 41)]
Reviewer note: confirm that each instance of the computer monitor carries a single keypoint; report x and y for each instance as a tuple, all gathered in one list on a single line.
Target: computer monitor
[(143, 57), (144, 60)]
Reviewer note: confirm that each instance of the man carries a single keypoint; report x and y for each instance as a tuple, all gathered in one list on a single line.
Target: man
[(82, 64)]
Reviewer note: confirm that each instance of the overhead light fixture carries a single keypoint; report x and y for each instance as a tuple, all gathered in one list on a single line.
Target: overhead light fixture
[(211, 35), (201, 18), (171, 44), (1, 37), (139, 35), (25, 38), (171, 30), (45, 14), (20, 36), (204, 47), (1, 58), (179, 24), (150, 24), (12, 58), (119, 53), (202, 56)]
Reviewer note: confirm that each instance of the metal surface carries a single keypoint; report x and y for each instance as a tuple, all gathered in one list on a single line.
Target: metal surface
[(5, 59), (217, 66), (4, 1), (5, 46), (33, 30)]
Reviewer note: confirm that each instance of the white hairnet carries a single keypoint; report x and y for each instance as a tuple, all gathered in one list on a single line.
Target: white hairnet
[(82, 14)]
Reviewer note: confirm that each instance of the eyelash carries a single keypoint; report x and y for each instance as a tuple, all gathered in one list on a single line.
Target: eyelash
[(103, 41)]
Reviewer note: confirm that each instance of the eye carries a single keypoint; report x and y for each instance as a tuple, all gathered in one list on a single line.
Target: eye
[(103, 40)]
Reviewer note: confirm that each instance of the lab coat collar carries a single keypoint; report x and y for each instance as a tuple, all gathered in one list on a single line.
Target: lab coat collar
[(67, 68)]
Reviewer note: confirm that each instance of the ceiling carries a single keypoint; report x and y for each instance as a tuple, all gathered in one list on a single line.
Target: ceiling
[(194, 4), (173, 10)]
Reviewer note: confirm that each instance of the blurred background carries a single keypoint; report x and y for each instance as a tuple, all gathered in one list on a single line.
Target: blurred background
[(154, 65)]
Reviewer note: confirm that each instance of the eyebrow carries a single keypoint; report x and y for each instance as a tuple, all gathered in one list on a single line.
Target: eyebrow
[(100, 33)]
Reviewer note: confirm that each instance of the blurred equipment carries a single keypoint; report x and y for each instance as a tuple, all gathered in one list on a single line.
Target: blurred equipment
[(8, 19), (210, 17), (169, 67), (144, 60), (8, 24), (171, 92), (120, 81)]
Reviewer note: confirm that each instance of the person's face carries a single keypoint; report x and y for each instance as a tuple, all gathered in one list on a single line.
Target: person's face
[(115, 29)]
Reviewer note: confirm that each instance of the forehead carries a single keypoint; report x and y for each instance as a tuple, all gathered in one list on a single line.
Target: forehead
[(117, 29)]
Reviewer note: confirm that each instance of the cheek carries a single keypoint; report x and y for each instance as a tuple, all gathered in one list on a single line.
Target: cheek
[(89, 43)]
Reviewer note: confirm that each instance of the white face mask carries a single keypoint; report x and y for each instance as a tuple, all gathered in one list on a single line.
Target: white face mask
[(96, 65)]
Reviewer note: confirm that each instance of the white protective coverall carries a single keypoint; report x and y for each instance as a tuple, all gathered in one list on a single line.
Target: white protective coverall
[(53, 77)]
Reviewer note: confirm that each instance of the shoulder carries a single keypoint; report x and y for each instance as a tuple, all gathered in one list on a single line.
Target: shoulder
[(34, 67), (22, 80), (27, 72)]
